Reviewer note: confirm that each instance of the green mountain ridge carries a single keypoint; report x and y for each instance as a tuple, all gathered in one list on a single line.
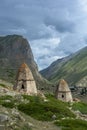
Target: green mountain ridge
[(72, 68)]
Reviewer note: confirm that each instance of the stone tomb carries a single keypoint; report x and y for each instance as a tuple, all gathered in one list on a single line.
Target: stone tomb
[(25, 81), (63, 92)]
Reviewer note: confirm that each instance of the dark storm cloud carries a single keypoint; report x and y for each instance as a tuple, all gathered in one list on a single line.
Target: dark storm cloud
[(61, 26), (30, 14), (54, 28)]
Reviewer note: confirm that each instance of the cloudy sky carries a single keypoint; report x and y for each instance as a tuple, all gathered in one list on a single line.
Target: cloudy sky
[(54, 28)]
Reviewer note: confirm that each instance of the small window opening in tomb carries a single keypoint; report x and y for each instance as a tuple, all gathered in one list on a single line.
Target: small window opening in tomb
[(62, 96), (42, 88), (22, 86)]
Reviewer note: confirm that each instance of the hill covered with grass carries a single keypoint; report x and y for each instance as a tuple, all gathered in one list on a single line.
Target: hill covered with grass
[(72, 68), (20, 111)]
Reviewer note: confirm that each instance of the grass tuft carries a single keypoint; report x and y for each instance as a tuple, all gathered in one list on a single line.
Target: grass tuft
[(72, 124), (82, 107)]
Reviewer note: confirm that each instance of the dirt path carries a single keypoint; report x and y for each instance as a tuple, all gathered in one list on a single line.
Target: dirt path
[(45, 126), (42, 125)]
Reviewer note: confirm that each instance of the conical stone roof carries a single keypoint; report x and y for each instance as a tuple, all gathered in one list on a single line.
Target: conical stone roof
[(63, 92), (63, 86), (24, 73), (25, 81)]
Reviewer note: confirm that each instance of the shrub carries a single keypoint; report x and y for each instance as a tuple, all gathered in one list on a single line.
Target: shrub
[(8, 104), (6, 97), (82, 107), (72, 124), (3, 101), (2, 85), (35, 99)]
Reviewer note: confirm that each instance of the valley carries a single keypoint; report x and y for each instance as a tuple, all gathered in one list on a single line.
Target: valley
[(19, 109)]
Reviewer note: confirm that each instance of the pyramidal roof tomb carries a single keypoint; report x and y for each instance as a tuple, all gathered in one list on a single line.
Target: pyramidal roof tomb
[(25, 81), (63, 91)]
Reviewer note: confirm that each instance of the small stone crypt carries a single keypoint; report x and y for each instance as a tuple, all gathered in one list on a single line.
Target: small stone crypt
[(25, 82), (63, 92)]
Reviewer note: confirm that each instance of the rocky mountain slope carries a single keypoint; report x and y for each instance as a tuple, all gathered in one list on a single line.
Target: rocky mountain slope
[(72, 68), (14, 50)]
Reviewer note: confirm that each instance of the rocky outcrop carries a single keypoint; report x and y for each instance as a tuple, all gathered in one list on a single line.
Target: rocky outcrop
[(15, 50)]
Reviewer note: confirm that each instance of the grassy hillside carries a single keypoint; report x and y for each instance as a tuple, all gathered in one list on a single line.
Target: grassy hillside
[(72, 124), (74, 70), (44, 111), (19, 111), (37, 108)]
